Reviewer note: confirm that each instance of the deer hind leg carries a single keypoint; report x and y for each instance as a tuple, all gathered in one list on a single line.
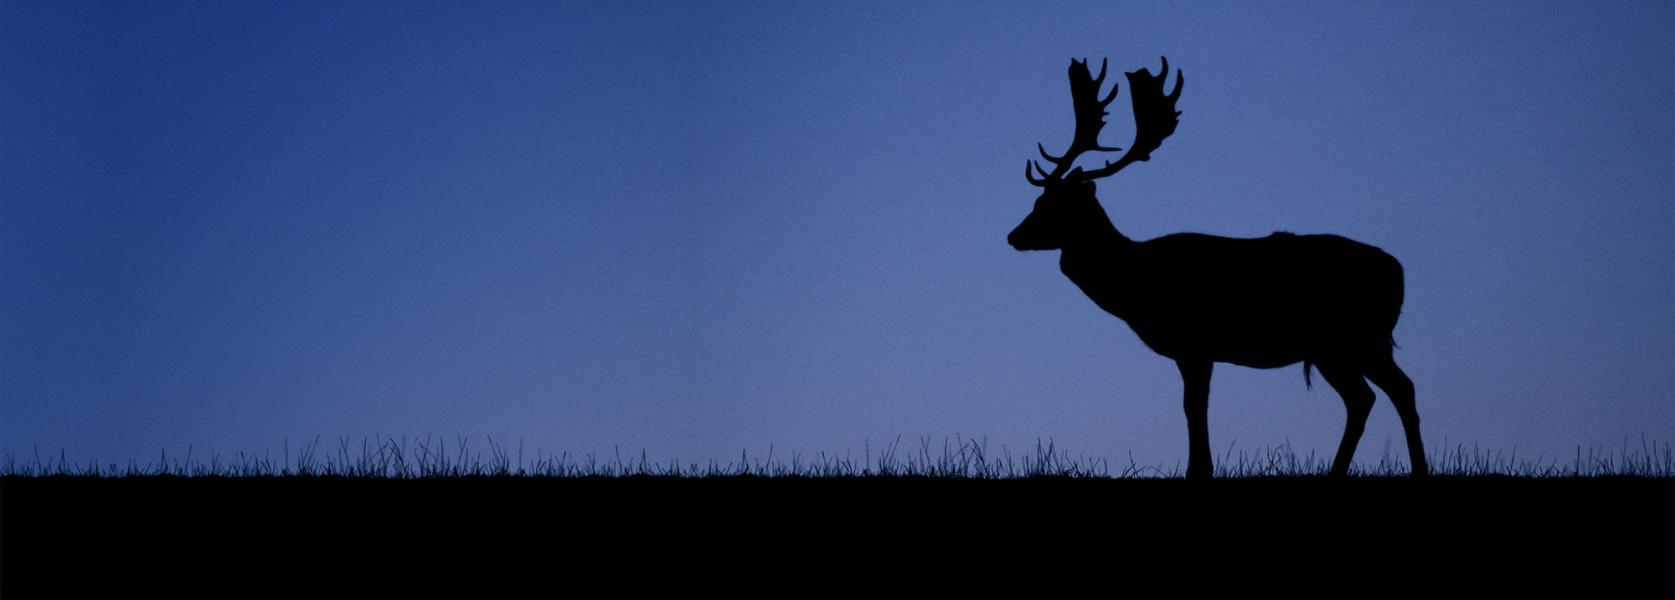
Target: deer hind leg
[(1357, 402), (1196, 377), (1390, 378)]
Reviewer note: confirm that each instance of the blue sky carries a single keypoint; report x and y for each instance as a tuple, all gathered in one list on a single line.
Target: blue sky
[(701, 228)]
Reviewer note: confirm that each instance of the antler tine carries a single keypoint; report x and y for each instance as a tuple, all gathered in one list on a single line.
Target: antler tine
[(1179, 78), (1050, 158), (1099, 82), (1028, 164)]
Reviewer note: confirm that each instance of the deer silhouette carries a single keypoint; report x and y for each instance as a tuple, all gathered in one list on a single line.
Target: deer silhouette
[(1326, 301)]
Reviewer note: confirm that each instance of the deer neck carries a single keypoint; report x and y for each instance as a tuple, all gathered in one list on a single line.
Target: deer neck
[(1095, 236), (1096, 258)]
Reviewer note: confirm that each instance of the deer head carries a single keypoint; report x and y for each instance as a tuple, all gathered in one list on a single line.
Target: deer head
[(1067, 210)]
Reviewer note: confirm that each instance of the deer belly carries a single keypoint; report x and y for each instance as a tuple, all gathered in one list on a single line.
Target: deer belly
[(1258, 344)]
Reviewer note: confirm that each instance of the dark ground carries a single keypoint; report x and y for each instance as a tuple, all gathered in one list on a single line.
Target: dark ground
[(1452, 536)]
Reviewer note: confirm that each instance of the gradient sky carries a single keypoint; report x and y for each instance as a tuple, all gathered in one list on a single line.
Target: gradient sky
[(700, 228)]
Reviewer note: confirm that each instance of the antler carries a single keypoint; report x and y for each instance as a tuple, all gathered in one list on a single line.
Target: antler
[(1090, 119), (1155, 118)]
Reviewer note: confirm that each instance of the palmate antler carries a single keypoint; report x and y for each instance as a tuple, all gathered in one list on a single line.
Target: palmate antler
[(1155, 118)]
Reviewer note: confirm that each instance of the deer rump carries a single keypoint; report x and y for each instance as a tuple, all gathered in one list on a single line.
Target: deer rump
[(1256, 302)]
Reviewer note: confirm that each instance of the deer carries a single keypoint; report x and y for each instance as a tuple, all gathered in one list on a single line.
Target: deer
[(1326, 301)]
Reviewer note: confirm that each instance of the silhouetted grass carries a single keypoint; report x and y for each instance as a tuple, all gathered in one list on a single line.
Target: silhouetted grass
[(399, 509), (402, 458)]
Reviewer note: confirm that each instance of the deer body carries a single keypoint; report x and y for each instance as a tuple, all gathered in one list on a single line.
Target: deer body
[(1323, 300), (1264, 303)]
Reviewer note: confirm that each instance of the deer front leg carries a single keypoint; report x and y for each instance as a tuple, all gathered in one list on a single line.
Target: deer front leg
[(1196, 377)]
